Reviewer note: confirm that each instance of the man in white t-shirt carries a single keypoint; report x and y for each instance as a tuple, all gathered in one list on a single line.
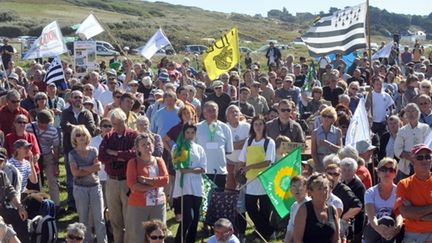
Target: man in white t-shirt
[(240, 132), (379, 104)]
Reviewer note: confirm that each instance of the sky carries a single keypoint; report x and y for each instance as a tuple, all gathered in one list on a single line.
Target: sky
[(252, 7)]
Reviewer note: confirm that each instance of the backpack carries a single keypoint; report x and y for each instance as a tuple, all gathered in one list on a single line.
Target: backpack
[(266, 142), (43, 228)]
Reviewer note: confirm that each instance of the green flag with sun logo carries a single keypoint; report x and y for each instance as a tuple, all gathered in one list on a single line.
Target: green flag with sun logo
[(276, 181)]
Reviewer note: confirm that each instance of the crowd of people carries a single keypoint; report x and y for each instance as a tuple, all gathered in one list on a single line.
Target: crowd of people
[(137, 138)]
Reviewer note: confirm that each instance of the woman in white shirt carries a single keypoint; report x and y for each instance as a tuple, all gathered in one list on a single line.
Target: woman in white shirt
[(190, 161), (257, 154), (383, 225)]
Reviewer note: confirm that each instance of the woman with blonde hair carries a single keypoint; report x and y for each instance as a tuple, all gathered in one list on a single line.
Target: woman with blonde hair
[(383, 225), (315, 220), (87, 189), (326, 138)]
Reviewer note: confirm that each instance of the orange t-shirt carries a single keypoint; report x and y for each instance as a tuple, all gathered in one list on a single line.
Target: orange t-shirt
[(419, 193), (155, 196)]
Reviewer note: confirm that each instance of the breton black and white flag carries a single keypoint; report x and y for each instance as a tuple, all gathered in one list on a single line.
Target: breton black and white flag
[(55, 72), (342, 32)]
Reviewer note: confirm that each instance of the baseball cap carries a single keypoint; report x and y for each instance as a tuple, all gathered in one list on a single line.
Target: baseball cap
[(364, 146), (111, 72), (21, 143), (419, 147), (13, 76), (163, 76), (217, 83), (289, 79), (133, 82), (158, 92), (87, 100)]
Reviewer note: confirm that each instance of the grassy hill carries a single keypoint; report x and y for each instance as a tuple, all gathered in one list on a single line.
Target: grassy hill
[(131, 22)]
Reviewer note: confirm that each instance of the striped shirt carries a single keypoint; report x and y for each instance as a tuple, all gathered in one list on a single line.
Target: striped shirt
[(24, 168), (47, 139)]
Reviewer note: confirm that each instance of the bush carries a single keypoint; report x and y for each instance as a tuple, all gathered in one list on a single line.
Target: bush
[(12, 31), (8, 15)]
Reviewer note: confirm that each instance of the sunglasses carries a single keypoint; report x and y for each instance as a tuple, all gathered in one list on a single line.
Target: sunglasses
[(423, 157), (157, 237), (79, 135), (285, 110), (356, 89), (73, 237), (218, 87), (327, 116), (106, 126), (387, 169), (424, 103), (15, 101), (21, 122), (118, 97), (335, 174), (78, 97)]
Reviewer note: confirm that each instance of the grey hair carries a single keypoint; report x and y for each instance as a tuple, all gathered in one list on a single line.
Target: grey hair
[(223, 223), (349, 163), (142, 119), (118, 114), (76, 229), (211, 104), (415, 106), (231, 107), (348, 152), (13, 93), (344, 97), (331, 159), (39, 95)]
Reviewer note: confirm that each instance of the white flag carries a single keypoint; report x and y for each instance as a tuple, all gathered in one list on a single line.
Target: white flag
[(154, 44), (89, 27), (49, 44), (383, 52), (358, 129)]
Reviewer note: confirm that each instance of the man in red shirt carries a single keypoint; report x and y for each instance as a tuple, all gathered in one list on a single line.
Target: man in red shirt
[(116, 149), (9, 111), (37, 79)]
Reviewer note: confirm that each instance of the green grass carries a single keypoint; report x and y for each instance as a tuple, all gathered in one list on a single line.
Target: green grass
[(64, 221)]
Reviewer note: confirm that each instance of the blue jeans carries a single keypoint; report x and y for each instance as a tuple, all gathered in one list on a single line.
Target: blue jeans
[(90, 200), (69, 182)]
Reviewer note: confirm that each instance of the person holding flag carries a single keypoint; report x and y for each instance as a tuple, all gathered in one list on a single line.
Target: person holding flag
[(190, 162), (257, 154)]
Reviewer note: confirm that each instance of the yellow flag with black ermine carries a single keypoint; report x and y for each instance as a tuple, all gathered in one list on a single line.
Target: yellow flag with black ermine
[(223, 54)]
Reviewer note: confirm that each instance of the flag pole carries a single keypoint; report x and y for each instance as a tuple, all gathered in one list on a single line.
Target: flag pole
[(163, 32), (369, 37), (110, 35), (253, 226)]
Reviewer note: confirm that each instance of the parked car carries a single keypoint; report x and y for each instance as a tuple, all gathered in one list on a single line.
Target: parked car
[(196, 49), (245, 50), (105, 44), (103, 51)]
